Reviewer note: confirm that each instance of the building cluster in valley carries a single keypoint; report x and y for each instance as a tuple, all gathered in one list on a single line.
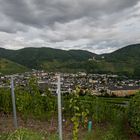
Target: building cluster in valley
[(94, 84)]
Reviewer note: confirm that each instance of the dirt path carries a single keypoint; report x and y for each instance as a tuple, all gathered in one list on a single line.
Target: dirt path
[(129, 132)]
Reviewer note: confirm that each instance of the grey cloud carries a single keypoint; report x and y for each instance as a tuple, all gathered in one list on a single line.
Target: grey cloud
[(19, 11), (97, 26), (43, 12)]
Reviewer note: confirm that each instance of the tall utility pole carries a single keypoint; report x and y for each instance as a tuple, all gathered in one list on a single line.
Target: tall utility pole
[(13, 103), (59, 107)]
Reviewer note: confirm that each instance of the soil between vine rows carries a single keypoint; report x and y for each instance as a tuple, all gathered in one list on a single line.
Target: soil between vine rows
[(6, 126)]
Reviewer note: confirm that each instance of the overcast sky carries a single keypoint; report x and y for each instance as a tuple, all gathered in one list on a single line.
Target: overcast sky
[(99, 26)]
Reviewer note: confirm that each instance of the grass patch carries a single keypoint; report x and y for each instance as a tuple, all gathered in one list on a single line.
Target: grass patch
[(26, 134)]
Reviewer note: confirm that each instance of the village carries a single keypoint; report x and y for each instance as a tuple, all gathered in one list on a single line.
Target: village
[(94, 84)]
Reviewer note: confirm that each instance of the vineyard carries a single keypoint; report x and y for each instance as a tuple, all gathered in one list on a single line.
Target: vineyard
[(111, 118)]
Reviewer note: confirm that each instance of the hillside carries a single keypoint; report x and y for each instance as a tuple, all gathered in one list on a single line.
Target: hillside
[(123, 61), (33, 57), (127, 54), (126, 59), (7, 67)]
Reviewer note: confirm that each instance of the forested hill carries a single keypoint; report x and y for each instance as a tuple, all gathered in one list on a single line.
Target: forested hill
[(33, 57), (125, 60), (126, 54)]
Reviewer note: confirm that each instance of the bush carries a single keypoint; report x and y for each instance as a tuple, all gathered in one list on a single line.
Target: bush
[(5, 100), (134, 113)]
